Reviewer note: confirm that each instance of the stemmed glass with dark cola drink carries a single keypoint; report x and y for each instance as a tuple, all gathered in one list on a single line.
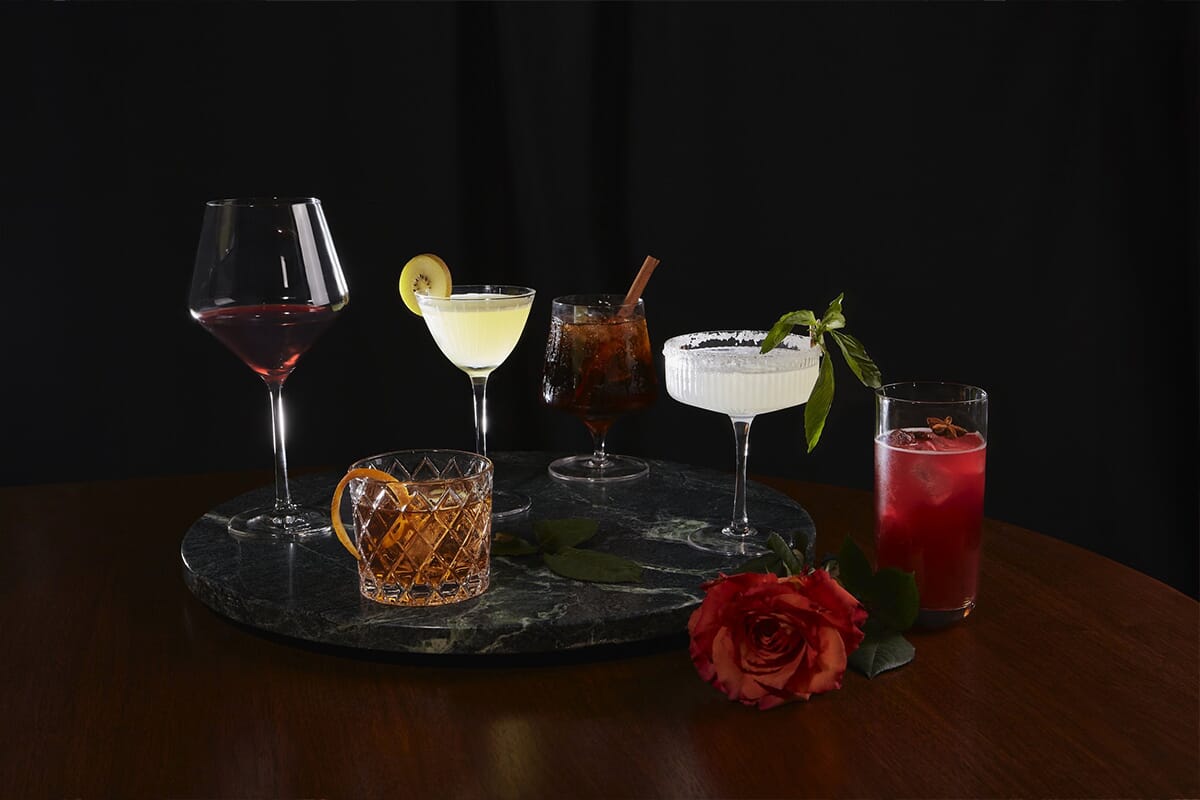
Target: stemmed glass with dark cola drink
[(598, 367), (267, 283)]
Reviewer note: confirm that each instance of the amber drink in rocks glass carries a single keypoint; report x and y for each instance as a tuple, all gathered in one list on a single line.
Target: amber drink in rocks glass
[(598, 367), (422, 525)]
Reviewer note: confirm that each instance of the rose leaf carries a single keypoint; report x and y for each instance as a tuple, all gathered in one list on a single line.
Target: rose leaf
[(805, 546), (555, 535), (854, 572), (590, 565), (894, 598), (879, 653), (767, 563), (787, 556)]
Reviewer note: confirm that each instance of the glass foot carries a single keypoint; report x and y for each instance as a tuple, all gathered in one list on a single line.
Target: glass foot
[(724, 540), (293, 524), (589, 469), (506, 504)]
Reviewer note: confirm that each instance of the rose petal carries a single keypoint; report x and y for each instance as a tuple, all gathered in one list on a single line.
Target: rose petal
[(776, 698), (728, 675), (765, 640), (779, 647), (826, 667)]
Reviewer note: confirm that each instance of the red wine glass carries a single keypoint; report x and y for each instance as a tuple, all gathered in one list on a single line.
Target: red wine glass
[(267, 283)]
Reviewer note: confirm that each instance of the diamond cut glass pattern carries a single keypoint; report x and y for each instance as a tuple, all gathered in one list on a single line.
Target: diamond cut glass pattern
[(429, 544)]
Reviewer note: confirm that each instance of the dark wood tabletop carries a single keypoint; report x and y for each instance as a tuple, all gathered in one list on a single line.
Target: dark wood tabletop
[(1075, 677)]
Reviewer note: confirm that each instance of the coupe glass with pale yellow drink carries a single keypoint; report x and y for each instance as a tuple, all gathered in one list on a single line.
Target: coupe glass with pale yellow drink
[(476, 326)]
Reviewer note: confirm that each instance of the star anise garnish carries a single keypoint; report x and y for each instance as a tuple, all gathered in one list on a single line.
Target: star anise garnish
[(945, 427)]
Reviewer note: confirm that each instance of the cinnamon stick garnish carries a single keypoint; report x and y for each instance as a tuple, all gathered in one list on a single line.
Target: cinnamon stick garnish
[(639, 285)]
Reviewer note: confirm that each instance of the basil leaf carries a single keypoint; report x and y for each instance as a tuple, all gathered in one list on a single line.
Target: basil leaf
[(854, 571), (506, 544), (783, 327), (878, 654), (835, 310), (557, 534), (857, 359), (894, 598), (787, 556), (590, 565), (832, 321), (819, 402)]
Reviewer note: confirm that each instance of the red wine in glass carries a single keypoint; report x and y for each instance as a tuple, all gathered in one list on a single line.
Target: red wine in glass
[(269, 338), (267, 283)]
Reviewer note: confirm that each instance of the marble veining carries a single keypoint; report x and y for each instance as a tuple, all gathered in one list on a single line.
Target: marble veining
[(309, 590)]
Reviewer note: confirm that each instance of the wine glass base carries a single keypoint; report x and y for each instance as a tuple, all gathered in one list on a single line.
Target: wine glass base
[(589, 469), (506, 505), (724, 541), (294, 524)]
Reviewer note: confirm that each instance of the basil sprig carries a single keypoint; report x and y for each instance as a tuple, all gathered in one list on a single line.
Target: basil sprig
[(557, 541), (819, 403)]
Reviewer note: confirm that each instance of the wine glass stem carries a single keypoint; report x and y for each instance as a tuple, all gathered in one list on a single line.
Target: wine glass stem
[(599, 454), (283, 497), (479, 390), (740, 524)]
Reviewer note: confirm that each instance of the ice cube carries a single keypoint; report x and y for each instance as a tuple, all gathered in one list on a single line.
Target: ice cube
[(910, 439), (936, 483)]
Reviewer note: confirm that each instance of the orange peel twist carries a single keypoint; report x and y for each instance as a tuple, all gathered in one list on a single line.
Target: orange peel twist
[(394, 486)]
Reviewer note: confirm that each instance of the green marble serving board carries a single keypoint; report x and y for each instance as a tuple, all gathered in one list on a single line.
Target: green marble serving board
[(309, 591)]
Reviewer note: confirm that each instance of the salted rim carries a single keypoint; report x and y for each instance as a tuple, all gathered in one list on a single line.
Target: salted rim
[(700, 349)]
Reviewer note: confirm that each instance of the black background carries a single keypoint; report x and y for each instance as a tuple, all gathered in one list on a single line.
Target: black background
[(1006, 194)]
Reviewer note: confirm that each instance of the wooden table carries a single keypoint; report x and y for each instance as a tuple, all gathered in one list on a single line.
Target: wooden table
[(1075, 677)]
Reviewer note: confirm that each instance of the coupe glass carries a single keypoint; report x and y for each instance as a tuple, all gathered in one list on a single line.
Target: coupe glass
[(598, 366), (476, 328), (724, 371), (266, 284)]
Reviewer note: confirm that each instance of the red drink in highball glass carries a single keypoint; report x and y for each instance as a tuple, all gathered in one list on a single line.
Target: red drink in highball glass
[(928, 511)]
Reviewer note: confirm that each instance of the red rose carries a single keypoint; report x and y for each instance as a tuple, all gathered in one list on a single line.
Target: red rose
[(765, 640)]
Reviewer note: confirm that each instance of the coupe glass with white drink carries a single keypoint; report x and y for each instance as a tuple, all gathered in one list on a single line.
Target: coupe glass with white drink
[(725, 372)]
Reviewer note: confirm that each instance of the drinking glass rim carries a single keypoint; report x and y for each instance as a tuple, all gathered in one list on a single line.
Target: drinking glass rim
[(795, 352), (264, 200), (795, 342), (594, 301), (487, 466), (981, 395), (487, 290)]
